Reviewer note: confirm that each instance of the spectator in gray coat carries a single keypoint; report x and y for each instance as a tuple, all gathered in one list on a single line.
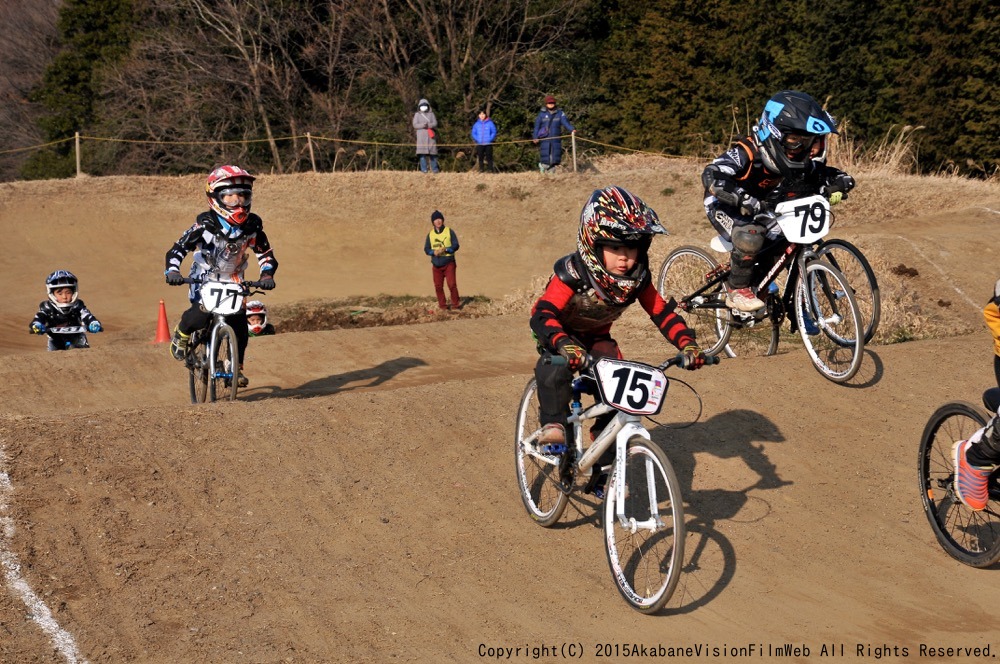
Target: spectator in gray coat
[(425, 123)]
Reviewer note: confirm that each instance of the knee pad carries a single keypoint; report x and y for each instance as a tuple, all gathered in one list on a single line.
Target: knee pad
[(749, 238)]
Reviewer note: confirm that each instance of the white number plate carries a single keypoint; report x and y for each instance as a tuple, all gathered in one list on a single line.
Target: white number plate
[(631, 387), (222, 298), (804, 220)]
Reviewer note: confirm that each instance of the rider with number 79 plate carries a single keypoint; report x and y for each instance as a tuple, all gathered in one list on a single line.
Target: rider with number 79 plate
[(590, 290), (220, 238), (787, 146)]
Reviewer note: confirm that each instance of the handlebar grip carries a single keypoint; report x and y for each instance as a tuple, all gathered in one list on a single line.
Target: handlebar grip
[(555, 360)]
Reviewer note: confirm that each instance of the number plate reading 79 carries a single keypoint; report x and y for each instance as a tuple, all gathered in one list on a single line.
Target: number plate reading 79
[(804, 220), (631, 387), (222, 298)]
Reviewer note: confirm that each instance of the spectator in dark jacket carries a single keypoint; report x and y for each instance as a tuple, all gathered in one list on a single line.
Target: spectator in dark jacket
[(483, 133), (547, 134), (441, 245)]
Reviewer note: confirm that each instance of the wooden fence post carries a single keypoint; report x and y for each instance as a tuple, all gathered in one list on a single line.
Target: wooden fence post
[(573, 137), (77, 141), (312, 157)]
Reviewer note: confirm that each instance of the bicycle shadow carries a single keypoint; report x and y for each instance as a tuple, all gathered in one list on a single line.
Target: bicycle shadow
[(711, 562), (351, 380), (867, 377)]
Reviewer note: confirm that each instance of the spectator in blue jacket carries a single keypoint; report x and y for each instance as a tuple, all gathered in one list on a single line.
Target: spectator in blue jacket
[(547, 135), (483, 133)]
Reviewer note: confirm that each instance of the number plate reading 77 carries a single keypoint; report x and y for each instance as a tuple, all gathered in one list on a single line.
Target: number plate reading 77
[(222, 298), (631, 387)]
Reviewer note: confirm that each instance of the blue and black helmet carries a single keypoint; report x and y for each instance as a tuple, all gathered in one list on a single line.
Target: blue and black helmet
[(792, 131)]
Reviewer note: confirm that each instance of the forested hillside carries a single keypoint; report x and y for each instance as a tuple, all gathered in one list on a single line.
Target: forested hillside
[(172, 86)]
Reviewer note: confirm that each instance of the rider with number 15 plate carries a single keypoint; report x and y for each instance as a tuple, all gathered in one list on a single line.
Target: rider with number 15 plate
[(220, 238), (786, 147)]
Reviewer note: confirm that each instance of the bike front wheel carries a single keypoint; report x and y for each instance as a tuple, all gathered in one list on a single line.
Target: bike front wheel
[(537, 473), (682, 274), (829, 322), (968, 536), (847, 258), (224, 368), (197, 361), (644, 527)]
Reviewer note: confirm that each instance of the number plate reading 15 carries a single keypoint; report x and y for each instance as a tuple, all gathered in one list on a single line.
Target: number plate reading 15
[(804, 220), (222, 298), (631, 387)]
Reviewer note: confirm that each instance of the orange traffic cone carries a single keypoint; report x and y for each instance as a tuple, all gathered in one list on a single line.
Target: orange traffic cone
[(162, 329)]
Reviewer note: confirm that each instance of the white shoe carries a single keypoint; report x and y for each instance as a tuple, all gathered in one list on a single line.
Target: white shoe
[(744, 300)]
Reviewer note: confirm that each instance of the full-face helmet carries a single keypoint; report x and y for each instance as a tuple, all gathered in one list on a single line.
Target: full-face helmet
[(230, 180), (615, 217), (62, 279), (257, 308), (791, 131)]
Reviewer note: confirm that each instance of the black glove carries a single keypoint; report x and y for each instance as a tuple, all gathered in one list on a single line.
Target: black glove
[(694, 358), (266, 281), (575, 354), (750, 206), (175, 278), (841, 182)]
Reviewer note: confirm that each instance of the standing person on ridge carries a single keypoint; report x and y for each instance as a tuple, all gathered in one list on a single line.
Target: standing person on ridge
[(483, 133), (547, 135), (425, 122), (441, 244)]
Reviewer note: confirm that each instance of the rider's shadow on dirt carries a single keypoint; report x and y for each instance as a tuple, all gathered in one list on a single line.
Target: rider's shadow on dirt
[(710, 559), (350, 380)]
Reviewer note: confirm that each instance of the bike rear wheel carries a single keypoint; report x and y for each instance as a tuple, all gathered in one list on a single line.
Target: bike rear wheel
[(970, 537), (847, 258), (685, 271), (197, 361), (537, 473), (829, 322), (645, 543), (224, 368)]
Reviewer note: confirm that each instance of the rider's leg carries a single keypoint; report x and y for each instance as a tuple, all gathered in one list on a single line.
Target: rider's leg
[(555, 390), (239, 324), (748, 240), (194, 318)]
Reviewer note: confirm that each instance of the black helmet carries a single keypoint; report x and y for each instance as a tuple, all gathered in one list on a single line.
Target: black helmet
[(791, 131)]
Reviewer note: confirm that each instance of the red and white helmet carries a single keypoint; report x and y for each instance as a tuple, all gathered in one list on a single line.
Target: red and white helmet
[(256, 308), (228, 180)]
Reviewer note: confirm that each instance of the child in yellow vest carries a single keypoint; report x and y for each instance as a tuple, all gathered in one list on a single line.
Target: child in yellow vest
[(441, 245)]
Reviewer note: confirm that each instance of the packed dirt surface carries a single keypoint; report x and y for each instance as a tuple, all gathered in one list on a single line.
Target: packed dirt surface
[(358, 502)]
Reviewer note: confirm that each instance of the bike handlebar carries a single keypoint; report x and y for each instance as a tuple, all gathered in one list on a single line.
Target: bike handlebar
[(247, 285), (676, 361)]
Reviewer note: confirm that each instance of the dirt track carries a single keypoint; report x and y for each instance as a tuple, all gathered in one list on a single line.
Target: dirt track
[(359, 504)]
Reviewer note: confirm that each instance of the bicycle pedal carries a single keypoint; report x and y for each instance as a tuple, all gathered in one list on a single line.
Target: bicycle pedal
[(555, 448)]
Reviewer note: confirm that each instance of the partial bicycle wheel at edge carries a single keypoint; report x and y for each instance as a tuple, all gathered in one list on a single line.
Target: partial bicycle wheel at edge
[(197, 360), (645, 545), (970, 537), (829, 322), (537, 474)]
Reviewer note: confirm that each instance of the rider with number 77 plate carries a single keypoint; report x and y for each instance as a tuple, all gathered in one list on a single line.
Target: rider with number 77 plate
[(787, 146), (590, 290), (220, 239)]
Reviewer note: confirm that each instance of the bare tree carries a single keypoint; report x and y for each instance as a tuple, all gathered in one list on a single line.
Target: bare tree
[(28, 45)]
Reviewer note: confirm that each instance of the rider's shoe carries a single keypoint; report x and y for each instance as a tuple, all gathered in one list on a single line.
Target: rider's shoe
[(179, 344), (971, 482), (599, 486), (743, 299), (242, 381), (552, 434)]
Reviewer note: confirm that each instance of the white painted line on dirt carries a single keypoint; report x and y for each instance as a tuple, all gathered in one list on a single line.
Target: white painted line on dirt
[(944, 277), (992, 210), (62, 641)]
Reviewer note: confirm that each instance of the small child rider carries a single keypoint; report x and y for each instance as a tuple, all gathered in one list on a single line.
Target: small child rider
[(220, 238), (64, 309), (590, 290), (977, 457), (787, 145), (257, 319)]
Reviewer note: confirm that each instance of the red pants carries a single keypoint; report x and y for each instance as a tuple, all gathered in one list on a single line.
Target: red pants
[(446, 272)]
